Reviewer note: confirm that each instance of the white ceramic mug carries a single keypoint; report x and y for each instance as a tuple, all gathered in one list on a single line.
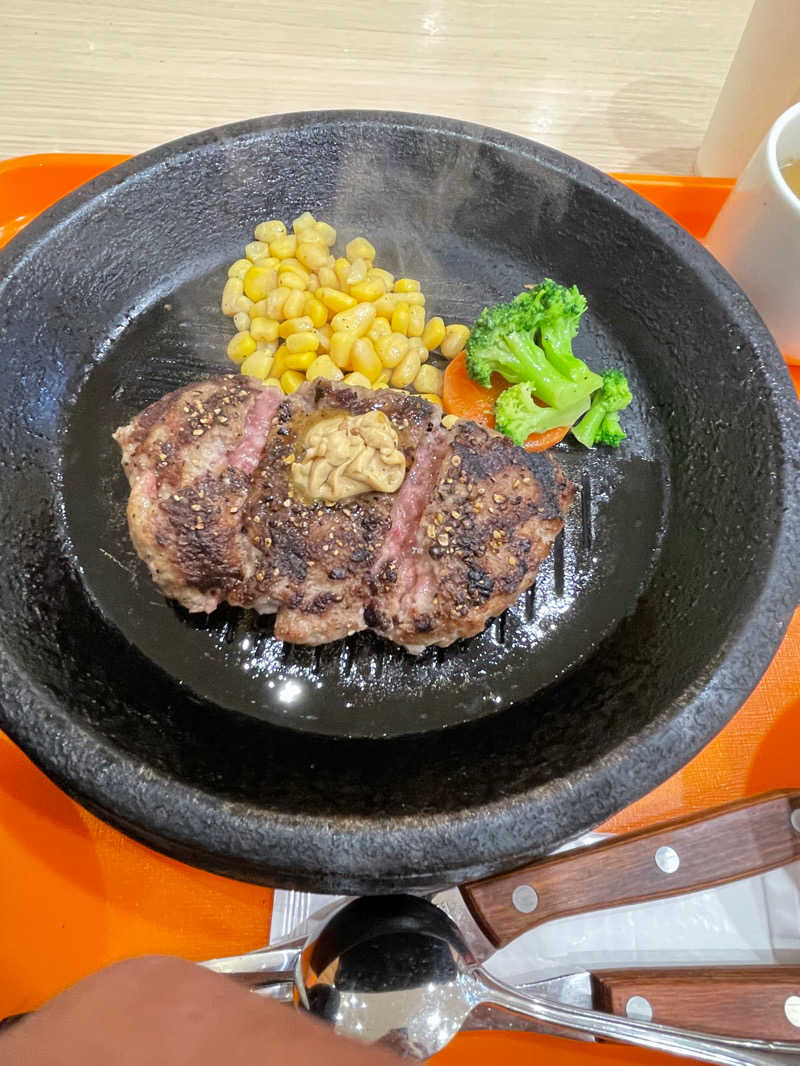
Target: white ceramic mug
[(756, 235)]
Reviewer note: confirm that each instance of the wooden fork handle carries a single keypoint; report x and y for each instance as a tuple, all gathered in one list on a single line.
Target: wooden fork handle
[(761, 1002), (707, 849)]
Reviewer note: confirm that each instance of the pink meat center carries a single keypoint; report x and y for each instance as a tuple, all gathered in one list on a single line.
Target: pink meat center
[(413, 575), (246, 454)]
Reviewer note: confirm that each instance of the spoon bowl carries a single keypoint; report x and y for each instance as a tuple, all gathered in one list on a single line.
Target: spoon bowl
[(390, 970)]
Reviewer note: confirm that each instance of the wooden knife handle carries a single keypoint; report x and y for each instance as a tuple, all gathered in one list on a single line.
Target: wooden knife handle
[(761, 1002), (682, 855)]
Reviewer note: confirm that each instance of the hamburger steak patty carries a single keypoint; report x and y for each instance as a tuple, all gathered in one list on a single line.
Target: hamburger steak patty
[(212, 514)]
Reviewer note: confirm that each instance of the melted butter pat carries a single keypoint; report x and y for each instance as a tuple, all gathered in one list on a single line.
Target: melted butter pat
[(348, 455)]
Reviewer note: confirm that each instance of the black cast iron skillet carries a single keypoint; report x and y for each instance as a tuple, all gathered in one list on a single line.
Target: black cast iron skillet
[(355, 767)]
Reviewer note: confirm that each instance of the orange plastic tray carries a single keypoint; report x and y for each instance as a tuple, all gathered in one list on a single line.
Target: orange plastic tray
[(77, 894)]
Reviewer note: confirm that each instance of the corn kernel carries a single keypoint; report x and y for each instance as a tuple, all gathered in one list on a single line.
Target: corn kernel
[(364, 359), (384, 306), (239, 268), (406, 370), (429, 379), (324, 334), (327, 278), (360, 248), (368, 289), (293, 281), (324, 367), (281, 355), (272, 383), (413, 299), (302, 222), (241, 321), (400, 319), (257, 365), (357, 272), (275, 301), (336, 301), (299, 360), (357, 379), (268, 231), (384, 275), (415, 345), (456, 336), (312, 256), (406, 285), (233, 289), (416, 320), (382, 380), (381, 327), (392, 349), (242, 303), (294, 303), (264, 329), (388, 302), (302, 342), (240, 346), (313, 283), (356, 320), (434, 333), (291, 380), (316, 311), (449, 421), (283, 247), (431, 397), (292, 266), (303, 324), (270, 347), (255, 250), (327, 232), (341, 345), (259, 309), (258, 282), (341, 268), (266, 261), (311, 235)]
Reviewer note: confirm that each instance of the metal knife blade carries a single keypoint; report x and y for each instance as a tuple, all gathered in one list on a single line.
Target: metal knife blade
[(573, 988), (454, 906)]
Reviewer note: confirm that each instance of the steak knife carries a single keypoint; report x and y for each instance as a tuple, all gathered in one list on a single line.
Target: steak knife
[(686, 854)]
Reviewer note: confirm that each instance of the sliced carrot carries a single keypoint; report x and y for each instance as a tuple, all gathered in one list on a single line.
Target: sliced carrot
[(540, 442), (463, 397)]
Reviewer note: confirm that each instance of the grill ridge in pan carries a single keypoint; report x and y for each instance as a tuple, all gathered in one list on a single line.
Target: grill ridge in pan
[(355, 767)]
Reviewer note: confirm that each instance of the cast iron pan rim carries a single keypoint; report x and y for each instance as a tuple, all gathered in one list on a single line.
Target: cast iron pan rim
[(281, 847)]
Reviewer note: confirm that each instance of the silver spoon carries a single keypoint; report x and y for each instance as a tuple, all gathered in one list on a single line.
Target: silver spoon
[(394, 970)]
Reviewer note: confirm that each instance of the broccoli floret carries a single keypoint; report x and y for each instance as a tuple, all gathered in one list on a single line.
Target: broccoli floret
[(561, 311), (518, 415), (530, 339), (600, 425)]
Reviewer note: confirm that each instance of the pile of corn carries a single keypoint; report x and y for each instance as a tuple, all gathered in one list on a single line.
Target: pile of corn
[(301, 313)]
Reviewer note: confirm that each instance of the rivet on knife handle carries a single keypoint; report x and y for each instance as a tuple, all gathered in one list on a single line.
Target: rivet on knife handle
[(685, 854), (758, 1002)]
